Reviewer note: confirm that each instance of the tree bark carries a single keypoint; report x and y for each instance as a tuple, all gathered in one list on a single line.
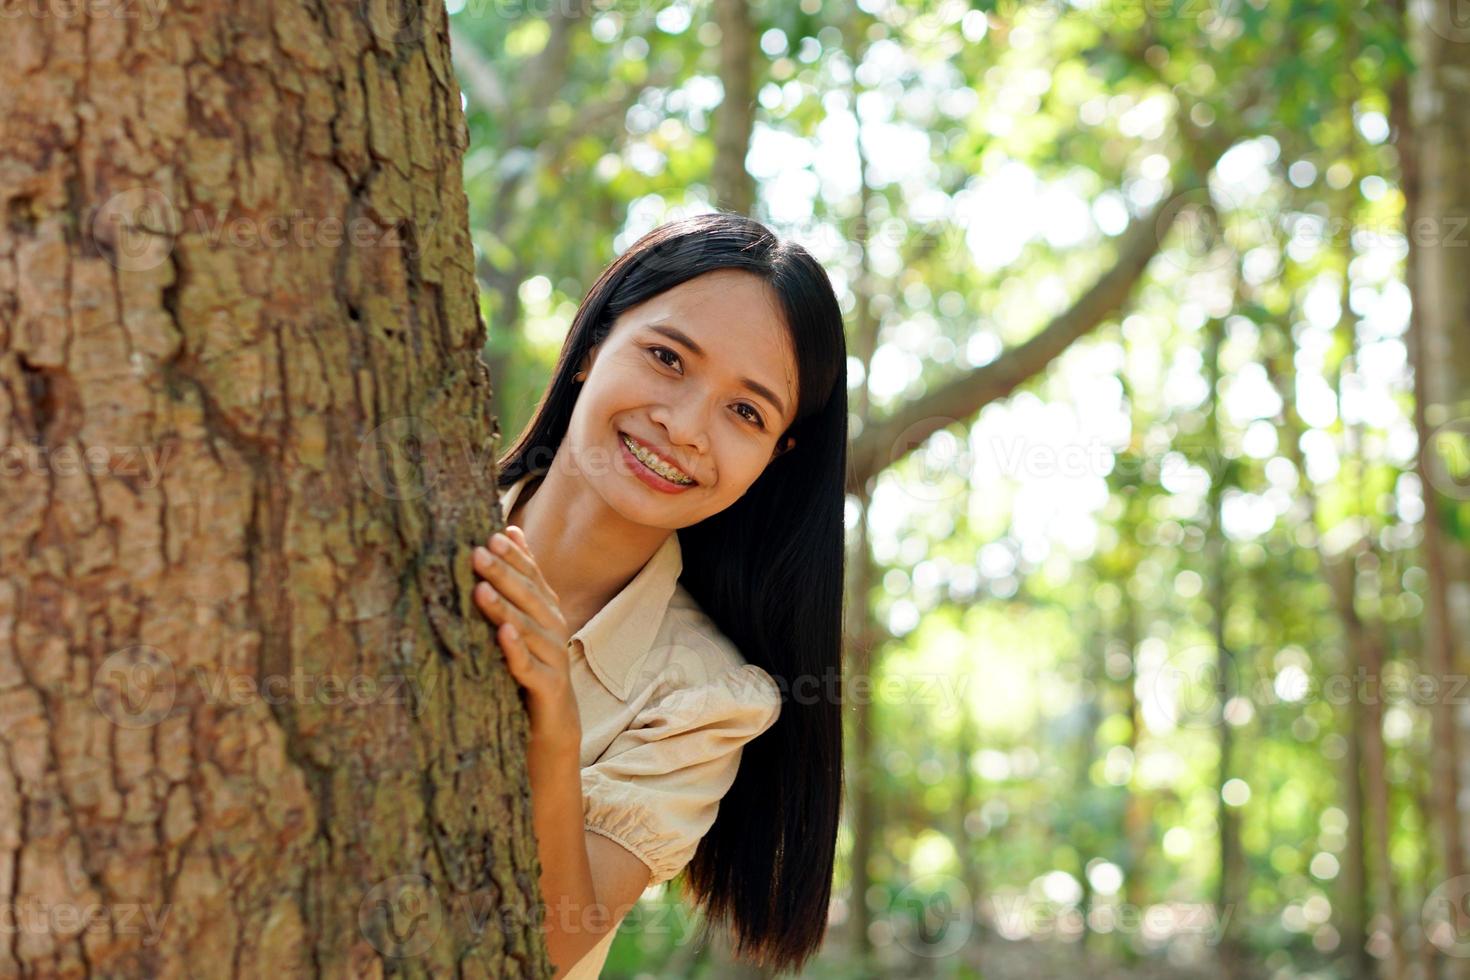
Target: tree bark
[(1366, 646), (734, 117), (1137, 817), (1368, 781), (250, 722), (1434, 143), (863, 635), (1357, 907), (1230, 889), (1366, 789)]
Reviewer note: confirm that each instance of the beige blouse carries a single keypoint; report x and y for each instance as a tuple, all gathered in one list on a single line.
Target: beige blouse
[(666, 703)]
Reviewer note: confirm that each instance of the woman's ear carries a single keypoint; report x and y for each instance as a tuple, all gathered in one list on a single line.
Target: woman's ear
[(586, 366)]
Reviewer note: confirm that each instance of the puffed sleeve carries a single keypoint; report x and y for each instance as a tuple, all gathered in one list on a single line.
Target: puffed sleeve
[(657, 788)]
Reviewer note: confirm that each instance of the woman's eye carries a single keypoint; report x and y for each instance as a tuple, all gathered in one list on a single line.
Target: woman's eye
[(754, 416), (658, 351)]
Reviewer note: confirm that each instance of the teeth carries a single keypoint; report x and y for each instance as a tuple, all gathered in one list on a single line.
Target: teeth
[(654, 463)]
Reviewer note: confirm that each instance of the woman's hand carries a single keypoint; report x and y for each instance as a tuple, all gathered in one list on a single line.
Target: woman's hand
[(533, 635)]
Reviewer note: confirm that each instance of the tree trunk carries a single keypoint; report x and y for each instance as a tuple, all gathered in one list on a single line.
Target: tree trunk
[(1357, 912), (1366, 788), (1230, 888), (1366, 644), (1137, 828), (863, 634), (734, 117), (1091, 671), (1371, 777), (972, 872), (1434, 142), (251, 722)]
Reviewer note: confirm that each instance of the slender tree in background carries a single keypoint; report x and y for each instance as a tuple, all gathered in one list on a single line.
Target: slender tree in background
[(1434, 143), (1436, 792), (1135, 830), (731, 184), (251, 723), (1119, 567), (1365, 645), (526, 138), (1094, 648), (1355, 895), (1230, 887), (864, 635)]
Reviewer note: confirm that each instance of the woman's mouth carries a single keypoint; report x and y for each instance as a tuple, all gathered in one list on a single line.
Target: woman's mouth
[(653, 471)]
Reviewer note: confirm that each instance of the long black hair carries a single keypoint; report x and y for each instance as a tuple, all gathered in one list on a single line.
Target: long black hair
[(768, 570)]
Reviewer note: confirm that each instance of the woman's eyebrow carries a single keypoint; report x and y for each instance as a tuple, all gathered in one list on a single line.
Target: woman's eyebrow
[(675, 334)]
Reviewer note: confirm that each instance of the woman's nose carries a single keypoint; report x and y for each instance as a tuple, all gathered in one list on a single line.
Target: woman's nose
[(686, 425)]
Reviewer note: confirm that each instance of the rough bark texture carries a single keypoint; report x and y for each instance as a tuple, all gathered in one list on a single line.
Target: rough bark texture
[(250, 723)]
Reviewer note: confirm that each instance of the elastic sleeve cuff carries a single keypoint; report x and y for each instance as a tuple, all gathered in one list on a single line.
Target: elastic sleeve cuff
[(657, 790), (609, 809)]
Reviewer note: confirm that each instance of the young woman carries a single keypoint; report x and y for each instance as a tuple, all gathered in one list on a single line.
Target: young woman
[(668, 592)]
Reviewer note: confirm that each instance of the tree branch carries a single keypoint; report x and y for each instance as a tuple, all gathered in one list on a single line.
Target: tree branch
[(891, 439)]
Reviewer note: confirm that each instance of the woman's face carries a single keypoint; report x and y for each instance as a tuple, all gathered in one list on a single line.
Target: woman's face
[(703, 377)]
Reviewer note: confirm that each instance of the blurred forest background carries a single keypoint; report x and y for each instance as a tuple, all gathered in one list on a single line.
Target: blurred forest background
[(1158, 652)]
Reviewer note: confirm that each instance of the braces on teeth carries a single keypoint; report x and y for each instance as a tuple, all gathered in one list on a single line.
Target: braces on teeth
[(656, 464)]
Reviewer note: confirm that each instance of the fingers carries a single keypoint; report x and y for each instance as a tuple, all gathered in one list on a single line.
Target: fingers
[(515, 573), (528, 671), (515, 590), (511, 624), (514, 593), (506, 547), (507, 598), (519, 537), (518, 554), (493, 603)]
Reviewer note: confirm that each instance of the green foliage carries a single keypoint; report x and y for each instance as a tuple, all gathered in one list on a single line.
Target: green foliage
[(1067, 615)]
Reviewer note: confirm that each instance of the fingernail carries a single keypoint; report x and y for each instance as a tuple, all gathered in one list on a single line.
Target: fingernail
[(499, 543), (488, 591), (511, 631)]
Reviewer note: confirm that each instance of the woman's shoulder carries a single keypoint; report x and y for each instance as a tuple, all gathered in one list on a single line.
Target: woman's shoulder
[(692, 652), (686, 620)]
